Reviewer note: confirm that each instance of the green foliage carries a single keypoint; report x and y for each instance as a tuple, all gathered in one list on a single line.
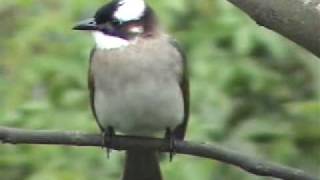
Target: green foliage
[(252, 90)]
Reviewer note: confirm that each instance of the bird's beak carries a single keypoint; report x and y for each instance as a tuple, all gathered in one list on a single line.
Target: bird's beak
[(86, 25)]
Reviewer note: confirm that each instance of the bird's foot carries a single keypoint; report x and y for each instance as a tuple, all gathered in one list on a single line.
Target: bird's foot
[(172, 144), (107, 139)]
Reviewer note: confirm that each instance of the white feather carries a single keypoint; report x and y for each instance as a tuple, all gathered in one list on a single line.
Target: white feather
[(104, 41), (130, 10)]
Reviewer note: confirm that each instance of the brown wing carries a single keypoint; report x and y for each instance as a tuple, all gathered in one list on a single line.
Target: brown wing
[(91, 87), (180, 131)]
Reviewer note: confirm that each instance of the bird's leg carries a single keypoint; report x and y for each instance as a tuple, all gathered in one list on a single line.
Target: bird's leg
[(108, 135), (170, 137)]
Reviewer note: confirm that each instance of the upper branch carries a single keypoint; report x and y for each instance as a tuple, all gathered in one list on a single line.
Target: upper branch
[(261, 168), (297, 20)]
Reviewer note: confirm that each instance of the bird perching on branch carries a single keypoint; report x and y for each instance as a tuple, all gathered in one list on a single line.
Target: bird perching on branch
[(138, 81)]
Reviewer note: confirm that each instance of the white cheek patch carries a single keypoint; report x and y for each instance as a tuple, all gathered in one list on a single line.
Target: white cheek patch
[(104, 41), (130, 10)]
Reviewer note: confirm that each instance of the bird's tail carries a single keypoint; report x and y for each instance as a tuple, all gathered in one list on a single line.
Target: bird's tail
[(142, 165)]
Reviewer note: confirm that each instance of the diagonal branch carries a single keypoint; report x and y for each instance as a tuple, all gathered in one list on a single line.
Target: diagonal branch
[(298, 20), (258, 167)]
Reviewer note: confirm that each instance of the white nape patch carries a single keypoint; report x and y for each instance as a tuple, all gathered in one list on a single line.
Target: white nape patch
[(136, 29), (104, 41), (130, 10)]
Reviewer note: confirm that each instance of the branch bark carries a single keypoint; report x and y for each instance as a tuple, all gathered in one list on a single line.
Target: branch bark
[(298, 20), (251, 165)]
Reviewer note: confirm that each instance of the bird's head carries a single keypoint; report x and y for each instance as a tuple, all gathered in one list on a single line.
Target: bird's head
[(120, 23)]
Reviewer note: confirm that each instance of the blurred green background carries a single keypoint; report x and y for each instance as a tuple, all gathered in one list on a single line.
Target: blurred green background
[(252, 90)]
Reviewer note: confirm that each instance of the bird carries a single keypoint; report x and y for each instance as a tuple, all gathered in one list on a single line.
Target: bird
[(138, 80)]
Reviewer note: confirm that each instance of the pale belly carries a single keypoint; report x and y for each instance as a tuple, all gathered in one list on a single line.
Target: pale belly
[(140, 107)]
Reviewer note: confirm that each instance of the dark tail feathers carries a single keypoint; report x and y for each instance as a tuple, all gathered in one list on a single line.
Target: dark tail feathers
[(142, 165)]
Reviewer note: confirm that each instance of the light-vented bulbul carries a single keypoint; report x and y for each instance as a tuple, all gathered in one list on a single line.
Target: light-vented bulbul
[(137, 80)]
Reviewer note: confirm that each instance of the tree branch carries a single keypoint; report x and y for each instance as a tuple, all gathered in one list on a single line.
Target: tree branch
[(297, 20), (261, 168)]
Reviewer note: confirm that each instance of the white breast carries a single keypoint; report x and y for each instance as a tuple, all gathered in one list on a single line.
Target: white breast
[(136, 96), (141, 109)]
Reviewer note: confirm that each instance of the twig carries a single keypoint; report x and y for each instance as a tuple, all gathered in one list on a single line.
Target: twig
[(258, 167)]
